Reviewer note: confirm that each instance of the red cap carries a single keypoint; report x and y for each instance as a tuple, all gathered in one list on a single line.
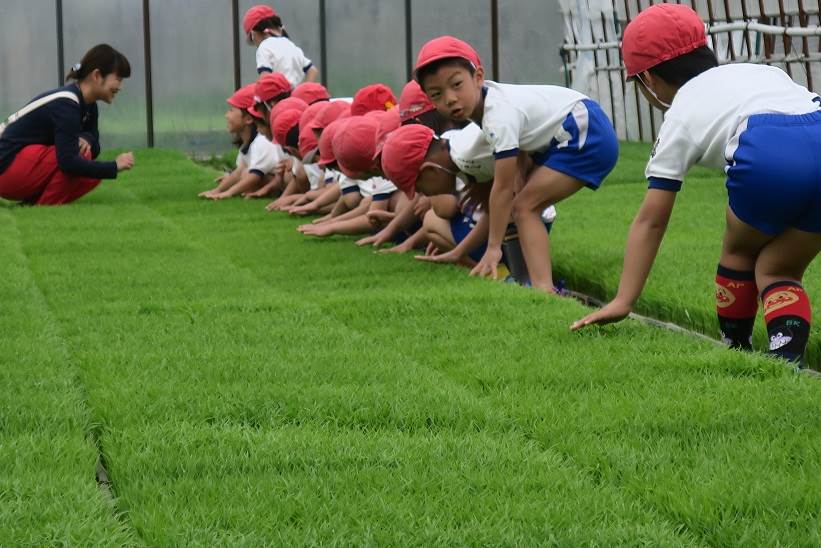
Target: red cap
[(413, 102), (311, 92), (326, 145), (388, 122), (290, 103), (443, 48), (329, 112), (660, 33), (372, 97), (355, 146), (403, 155), (309, 114), (244, 98), (254, 15), (271, 85), (307, 140), (284, 123)]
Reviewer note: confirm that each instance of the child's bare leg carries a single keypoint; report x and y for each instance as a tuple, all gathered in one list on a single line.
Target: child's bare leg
[(438, 232), (545, 187)]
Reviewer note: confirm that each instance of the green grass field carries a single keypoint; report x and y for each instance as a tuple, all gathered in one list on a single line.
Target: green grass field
[(246, 386)]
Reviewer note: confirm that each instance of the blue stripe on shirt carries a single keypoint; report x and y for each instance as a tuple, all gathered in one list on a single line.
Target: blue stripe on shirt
[(664, 184)]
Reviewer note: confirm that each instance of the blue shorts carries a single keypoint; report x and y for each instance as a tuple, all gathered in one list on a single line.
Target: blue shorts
[(592, 150), (460, 227), (774, 179)]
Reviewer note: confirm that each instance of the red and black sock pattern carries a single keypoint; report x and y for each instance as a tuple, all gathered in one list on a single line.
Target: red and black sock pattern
[(736, 306), (788, 314)]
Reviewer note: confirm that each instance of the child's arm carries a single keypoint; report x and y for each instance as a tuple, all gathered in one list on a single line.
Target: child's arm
[(643, 243), (312, 75), (417, 239), (506, 172), (403, 220), (223, 183), (266, 189), (330, 195), (247, 182), (359, 224)]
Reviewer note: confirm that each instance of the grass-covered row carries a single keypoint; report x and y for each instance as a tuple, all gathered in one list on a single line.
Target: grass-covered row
[(48, 458), (591, 232), (254, 387)]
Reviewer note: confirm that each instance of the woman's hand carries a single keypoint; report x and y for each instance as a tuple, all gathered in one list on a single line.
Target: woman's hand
[(614, 311), (125, 161), (85, 147)]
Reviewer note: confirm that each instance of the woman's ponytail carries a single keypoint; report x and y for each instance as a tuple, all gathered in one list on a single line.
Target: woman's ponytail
[(104, 58)]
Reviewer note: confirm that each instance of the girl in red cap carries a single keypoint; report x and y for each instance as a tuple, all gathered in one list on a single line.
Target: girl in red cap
[(567, 136), (47, 148), (257, 158), (764, 130), (275, 50)]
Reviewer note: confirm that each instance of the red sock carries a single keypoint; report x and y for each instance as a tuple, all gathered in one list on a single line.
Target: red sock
[(736, 306), (788, 314)]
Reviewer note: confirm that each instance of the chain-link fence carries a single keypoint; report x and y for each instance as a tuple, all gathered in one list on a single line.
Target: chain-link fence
[(783, 33)]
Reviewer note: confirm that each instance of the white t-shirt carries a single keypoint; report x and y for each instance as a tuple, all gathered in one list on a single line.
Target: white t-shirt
[(316, 175), (471, 152), (345, 182), (260, 157), (525, 117), (279, 54), (375, 186), (709, 113)]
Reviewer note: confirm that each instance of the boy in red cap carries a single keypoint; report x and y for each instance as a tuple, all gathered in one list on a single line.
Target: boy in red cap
[(311, 92), (456, 170), (275, 50), (764, 130), (569, 138), (257, 157), (291, 175), (372, 97)]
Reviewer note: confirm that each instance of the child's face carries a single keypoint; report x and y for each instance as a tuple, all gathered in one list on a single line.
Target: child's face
[(234, 120), (454, 92)]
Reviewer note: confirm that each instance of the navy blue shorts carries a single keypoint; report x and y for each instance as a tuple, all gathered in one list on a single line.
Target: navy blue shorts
[(774, 179), (591, 149), (460, 227)]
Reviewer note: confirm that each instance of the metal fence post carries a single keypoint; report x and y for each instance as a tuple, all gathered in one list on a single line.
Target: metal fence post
[(409, 37), (323, 43), (236, 38), (61, 56), (494, 37), (149, 88)]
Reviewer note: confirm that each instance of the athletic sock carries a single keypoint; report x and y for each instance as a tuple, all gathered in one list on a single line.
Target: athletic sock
[(788, 314), (736, 306)]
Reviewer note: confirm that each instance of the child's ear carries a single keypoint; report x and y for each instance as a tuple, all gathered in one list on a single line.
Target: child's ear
[(479, 76)]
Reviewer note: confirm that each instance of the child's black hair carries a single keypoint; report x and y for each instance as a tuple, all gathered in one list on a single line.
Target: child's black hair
[(103, 57), (292, 137), (271, 23), (433, 67), (680, 70), (434, 120)]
